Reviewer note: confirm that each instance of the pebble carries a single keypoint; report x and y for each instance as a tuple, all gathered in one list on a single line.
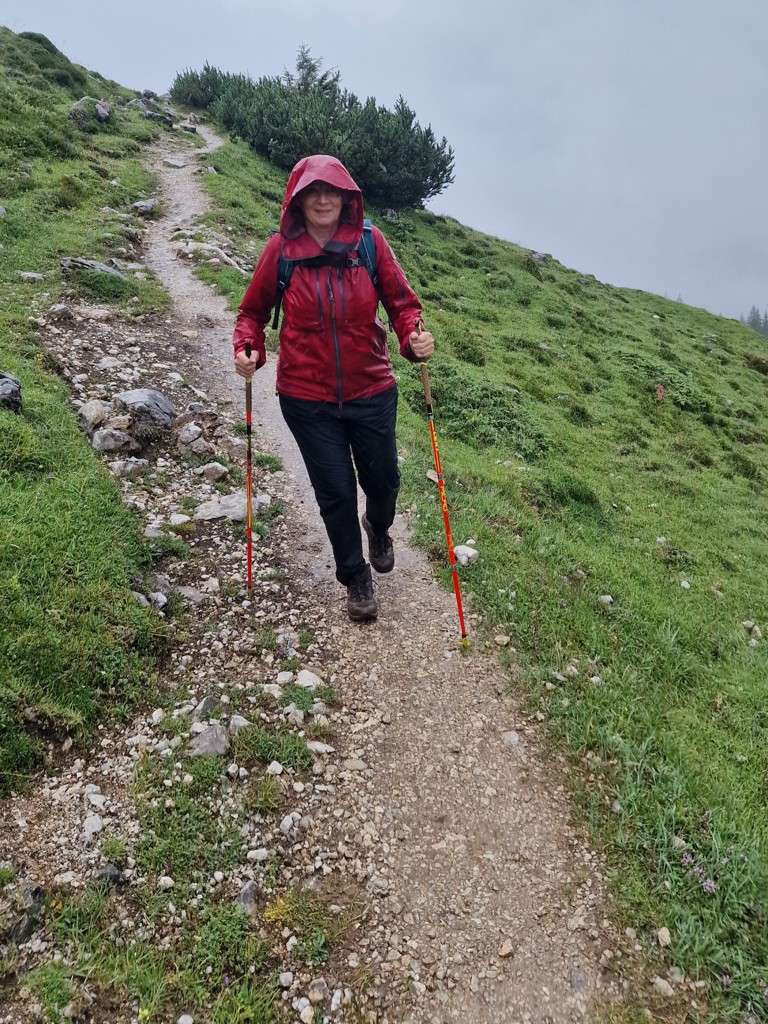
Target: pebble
[(663, 987)]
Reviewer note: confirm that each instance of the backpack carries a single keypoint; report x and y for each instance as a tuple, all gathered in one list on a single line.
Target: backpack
[(366, 257)]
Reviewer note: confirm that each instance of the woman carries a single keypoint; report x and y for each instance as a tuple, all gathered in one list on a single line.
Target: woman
[(335, 381)]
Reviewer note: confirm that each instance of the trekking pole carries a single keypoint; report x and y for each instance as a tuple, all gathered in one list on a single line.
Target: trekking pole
[(248, 480), (443, 502)]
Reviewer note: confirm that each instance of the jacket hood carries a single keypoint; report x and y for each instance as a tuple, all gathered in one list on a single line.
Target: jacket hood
[(297, 244)]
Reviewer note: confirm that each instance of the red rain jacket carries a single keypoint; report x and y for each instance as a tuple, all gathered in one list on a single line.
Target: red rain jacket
[(332, 346)]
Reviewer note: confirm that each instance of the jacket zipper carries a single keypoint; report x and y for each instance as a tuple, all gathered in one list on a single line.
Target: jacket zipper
[(319, 293), (341, 292), (335, 330)]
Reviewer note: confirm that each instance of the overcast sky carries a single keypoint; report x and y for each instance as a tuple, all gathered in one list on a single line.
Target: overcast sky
[(625, 137)]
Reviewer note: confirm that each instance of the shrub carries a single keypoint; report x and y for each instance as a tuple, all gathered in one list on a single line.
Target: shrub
[(395, 161)]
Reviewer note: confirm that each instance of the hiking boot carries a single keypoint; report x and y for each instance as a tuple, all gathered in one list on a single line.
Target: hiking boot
[(361, 602), (381, 553)]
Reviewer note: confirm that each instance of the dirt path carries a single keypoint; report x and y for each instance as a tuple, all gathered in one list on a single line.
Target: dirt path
[(486, 905)]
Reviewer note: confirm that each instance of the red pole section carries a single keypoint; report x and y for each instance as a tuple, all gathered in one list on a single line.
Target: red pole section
[(248, 480), (443, 501)]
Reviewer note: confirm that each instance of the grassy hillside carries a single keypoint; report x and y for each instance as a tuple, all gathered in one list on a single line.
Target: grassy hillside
[(71, 635), (607, 449)]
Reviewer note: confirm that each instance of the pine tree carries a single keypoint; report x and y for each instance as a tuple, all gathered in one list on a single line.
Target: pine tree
[(754, 320)]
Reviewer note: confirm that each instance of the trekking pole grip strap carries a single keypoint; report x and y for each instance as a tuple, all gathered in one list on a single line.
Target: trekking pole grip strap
[(425, 383)]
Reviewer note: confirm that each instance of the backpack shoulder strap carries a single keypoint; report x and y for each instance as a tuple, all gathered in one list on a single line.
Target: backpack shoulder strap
[(367, 252), (284, 271)]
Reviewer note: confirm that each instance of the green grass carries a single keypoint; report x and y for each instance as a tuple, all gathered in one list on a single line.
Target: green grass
[(181, 835), (595, 441), (72, 639), (252, 746), (314, 926), (218, 964)]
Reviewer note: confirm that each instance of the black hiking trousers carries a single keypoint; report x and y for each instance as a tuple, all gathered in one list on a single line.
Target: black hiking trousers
[(334, 442)]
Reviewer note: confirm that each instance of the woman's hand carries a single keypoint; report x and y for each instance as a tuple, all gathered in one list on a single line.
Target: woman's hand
[(422, 344), (245, 365)]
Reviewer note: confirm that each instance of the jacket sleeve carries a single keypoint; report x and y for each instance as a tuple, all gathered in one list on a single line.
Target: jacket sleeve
[(402, 305), (255, 309)]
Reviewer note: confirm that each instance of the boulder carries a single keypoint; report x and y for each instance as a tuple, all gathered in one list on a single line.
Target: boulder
[(213, 740), (230, 506), (10, 392), (70, 263), (80, 111), (92, 414), (146, 406), (108, 440), (103, 110), (145, 207)]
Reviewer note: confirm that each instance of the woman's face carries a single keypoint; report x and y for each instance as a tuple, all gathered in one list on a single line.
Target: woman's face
[(321, 205)]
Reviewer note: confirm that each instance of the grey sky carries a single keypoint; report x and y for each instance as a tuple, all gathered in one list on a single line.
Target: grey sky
[(625, 137)]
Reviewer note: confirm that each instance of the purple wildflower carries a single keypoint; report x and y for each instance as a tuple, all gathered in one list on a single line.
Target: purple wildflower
[(726, 980), (708, 886), (687, 860)]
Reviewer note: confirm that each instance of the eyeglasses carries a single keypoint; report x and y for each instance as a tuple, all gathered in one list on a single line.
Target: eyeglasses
[(318, 187)]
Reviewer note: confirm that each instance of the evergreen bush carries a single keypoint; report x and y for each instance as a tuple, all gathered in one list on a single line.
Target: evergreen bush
[(397, 163)]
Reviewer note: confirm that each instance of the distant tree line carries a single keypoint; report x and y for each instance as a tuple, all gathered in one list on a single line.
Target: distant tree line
[(395, 161), (757, 321)]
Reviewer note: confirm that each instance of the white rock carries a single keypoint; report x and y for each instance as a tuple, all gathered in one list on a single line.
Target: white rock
[(92, 826), (275, 768), (258, 856), (213, 472), (165, 882), (465, 554), (186, 1018), (605, 599), (665, 939), (286, 824), (320, 748), (286, 979), (308, 680), (663, 987)]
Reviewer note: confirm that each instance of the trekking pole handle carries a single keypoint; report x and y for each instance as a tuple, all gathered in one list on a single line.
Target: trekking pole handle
[(419, 327), (425, 384)]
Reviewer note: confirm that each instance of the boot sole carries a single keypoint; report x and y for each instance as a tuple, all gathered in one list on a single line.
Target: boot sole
[(358, 615)]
